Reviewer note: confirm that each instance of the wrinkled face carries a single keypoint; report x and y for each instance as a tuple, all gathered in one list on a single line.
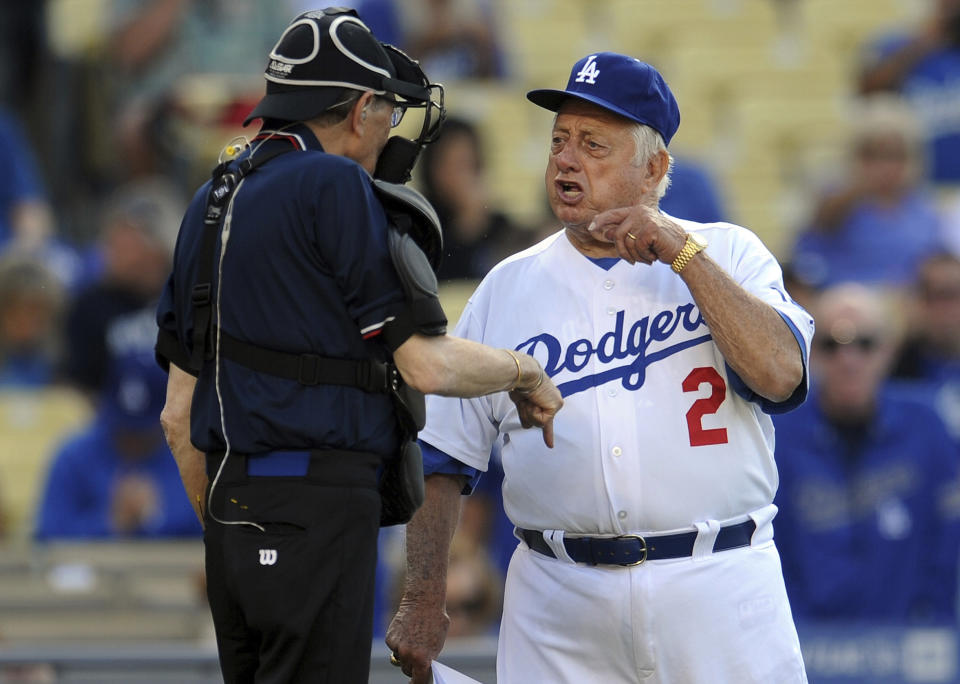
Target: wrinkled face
[(591, 166), (885, 165)]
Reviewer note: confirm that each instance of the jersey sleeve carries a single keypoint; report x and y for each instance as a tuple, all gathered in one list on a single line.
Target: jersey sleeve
[(358, 254), (436, 462), (175, 306), (169, 348)]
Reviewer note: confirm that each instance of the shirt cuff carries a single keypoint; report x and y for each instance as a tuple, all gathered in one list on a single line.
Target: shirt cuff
[(438, 462)]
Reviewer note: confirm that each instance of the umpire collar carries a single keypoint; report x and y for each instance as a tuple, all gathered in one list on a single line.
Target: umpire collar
[(297, 134)]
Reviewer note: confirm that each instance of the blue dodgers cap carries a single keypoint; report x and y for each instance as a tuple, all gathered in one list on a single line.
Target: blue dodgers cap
[(623, 85), (134, 392)]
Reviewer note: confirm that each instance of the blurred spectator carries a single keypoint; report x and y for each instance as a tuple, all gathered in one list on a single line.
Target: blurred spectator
[(117, 478), (878, 222), (868, 508), (31, 299), (930, 357), (474, 591), (452, 39), (924, 65), (26, 217), (475, 235), (692, 193), (474, 597), (801, 290), (134, 253), (155, 44)]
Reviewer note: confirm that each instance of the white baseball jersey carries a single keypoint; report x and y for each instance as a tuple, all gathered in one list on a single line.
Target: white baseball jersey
[(656, 432)]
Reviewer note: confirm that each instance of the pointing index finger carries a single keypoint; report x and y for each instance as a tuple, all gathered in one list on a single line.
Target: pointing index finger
[(605, 219)]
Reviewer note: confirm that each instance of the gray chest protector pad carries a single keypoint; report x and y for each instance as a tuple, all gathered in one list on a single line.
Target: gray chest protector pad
[(416, 246), (415, 241)]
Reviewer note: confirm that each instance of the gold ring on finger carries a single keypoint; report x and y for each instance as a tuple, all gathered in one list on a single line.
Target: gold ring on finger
[(394, 660), (631, 236)]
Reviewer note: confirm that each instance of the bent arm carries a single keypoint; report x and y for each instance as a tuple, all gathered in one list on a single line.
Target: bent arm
[(175, 419), (754, 340)]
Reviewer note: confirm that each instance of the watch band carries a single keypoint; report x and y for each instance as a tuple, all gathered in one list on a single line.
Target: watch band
[(690, 248)]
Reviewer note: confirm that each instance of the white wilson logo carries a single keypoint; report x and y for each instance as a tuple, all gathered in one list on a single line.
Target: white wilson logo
[(268, 556), (589, 72)]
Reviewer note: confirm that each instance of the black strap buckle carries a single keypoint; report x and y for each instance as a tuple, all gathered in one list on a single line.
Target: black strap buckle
[(373, 376), (308, 372), (200, 295)]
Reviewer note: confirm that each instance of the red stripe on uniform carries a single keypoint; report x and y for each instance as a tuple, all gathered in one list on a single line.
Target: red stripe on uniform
[(289, 138)]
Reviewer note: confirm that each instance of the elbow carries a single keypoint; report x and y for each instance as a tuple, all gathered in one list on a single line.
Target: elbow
[(172, 421), (784, 382)]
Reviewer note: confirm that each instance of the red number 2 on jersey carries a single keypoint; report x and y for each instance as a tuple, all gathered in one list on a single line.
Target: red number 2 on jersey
[(706, 406)]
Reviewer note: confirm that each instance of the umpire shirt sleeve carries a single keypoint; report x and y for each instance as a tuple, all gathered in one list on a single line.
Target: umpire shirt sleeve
[(351, 238), (174, 309)]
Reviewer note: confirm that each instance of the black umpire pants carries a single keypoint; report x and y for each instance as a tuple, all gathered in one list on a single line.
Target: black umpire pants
[(294, 603)]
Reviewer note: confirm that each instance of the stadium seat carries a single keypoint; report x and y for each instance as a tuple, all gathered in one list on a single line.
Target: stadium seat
[(32, 424)]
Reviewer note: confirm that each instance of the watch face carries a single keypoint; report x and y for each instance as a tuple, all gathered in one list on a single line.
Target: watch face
[(698, 239)]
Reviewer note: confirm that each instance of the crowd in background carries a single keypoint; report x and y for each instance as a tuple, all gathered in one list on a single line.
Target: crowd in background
[(99, 148)]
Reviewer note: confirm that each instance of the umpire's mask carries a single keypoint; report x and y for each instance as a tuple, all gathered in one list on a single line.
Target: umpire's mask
[(322, 53)]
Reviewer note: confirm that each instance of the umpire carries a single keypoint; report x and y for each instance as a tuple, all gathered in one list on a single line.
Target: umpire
[(300, 325)]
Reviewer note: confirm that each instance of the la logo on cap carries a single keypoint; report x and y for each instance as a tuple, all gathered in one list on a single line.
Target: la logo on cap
[(589, 72)]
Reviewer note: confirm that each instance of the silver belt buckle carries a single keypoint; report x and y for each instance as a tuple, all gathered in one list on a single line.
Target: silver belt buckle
[(643, 549)]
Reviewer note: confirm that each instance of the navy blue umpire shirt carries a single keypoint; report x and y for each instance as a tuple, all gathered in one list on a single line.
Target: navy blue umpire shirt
[(306, 270)]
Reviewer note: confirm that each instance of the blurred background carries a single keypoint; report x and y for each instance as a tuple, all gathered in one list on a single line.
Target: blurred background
[(830, 128)]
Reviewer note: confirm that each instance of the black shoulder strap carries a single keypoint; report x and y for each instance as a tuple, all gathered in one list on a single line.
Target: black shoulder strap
[(222, 187)]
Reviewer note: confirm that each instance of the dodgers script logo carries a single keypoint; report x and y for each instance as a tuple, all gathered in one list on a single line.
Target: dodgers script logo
[(616, 345)]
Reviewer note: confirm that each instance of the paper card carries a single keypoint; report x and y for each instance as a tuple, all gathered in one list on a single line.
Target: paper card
[(447, 675)]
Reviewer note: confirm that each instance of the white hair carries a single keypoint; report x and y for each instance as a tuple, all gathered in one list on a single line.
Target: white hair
[(649, 143)]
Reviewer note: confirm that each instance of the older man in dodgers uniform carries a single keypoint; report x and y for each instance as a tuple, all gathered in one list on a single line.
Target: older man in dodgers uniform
[(646, 547)]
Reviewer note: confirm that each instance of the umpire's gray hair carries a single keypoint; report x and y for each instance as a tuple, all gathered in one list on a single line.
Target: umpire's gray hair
[(648, 143)]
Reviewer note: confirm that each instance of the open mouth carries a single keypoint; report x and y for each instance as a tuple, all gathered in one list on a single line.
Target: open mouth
[(568, 190)]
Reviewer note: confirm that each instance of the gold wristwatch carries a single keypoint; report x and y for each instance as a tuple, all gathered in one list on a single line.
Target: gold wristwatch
[(695, 243)]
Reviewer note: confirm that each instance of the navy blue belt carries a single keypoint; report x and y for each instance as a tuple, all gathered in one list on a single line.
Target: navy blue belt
[(333, 466), (633, 549), (279, 464)]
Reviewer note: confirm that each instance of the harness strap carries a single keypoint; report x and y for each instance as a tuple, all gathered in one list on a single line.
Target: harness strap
[(311, 369), (222, 187)]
